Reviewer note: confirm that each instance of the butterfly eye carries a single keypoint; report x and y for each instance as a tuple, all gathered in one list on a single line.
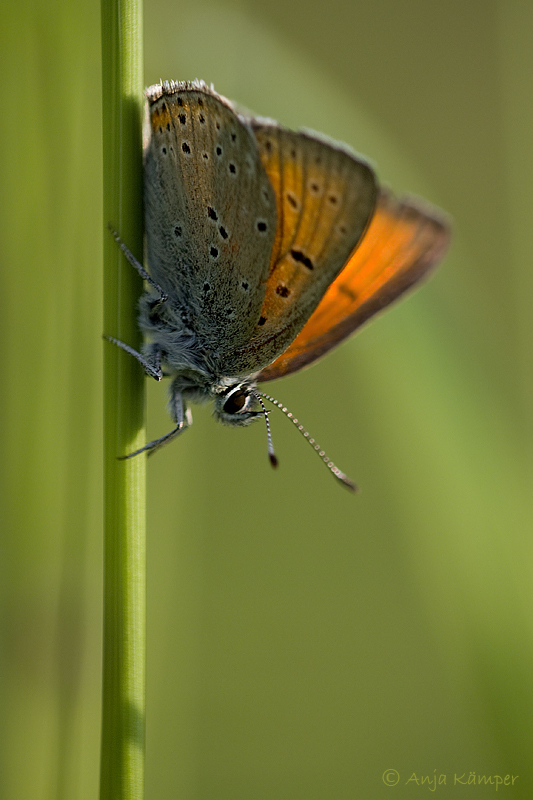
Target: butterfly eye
[(235, 402)]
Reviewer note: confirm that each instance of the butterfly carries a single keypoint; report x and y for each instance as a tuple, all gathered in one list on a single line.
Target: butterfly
[(266, 248)]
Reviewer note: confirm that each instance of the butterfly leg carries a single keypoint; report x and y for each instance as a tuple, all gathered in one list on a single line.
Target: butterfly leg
[(138, 266), (183, 418), (152, 367)]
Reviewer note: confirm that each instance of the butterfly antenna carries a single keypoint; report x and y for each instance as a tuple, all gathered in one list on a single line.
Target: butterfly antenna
[(271, 453), (344, 479)]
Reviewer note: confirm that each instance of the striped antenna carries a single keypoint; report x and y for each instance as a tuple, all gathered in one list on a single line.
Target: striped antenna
[(344, 479), (271, 453)]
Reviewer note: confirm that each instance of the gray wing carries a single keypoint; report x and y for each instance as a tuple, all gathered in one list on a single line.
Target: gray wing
[(210, 213)]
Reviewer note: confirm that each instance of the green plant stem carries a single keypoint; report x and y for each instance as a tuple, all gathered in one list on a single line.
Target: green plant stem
[(124, 658)]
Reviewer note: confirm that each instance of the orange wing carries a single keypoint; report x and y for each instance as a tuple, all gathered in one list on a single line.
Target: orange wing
[(325, 198), (403, 241)]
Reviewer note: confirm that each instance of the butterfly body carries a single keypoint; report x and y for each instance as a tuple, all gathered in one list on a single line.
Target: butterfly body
[(253, 236)]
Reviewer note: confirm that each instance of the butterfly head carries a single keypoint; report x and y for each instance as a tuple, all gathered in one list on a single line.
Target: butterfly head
[(234, 405)]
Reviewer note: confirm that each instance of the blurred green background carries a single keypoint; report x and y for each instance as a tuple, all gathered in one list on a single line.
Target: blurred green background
[(301, 641)]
